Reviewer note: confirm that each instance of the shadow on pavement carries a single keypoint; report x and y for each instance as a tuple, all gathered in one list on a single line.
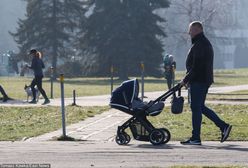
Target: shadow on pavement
[(229, 147), (15, 101), (150, 146), (226, 147)]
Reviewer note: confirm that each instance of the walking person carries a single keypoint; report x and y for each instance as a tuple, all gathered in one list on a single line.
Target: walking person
[(199, 77), (37, 66), (169, 70)]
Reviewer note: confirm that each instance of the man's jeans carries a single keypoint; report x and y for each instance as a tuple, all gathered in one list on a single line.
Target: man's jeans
[(198, 93)]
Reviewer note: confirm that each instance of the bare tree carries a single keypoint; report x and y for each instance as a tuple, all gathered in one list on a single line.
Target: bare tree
[(214, 15)]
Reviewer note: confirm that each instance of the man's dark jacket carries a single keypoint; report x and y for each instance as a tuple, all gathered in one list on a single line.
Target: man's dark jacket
[(199, 63)]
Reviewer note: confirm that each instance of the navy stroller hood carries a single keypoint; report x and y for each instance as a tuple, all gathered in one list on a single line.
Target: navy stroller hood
[(123, 96)]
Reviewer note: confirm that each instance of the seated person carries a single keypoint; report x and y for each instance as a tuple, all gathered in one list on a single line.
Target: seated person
[(5, 96)]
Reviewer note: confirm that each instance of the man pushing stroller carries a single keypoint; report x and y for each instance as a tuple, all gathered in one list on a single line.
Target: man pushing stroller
[(199, 77)]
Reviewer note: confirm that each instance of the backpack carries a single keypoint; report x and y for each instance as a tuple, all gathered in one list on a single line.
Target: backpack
[(167, 60)]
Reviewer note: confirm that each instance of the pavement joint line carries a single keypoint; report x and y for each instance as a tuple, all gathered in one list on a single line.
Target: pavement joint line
[(94, 122), (110, 138), (97, 132), (97, 121)]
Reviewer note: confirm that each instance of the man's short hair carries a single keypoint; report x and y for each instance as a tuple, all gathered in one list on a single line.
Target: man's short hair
[(197, 23), (33, 51)]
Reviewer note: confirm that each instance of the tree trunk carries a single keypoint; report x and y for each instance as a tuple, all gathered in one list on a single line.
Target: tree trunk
[(54, 47), (123, 71)]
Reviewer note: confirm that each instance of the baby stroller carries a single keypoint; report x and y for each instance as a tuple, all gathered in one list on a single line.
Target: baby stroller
[(125, 98)]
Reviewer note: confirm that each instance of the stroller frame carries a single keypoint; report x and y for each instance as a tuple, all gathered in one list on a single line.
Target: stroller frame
[(147, 131)]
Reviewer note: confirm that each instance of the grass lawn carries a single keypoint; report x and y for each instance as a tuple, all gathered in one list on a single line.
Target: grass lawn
[(19, 122), (180, 125), (231, 77), (236, 95), (14, 86)]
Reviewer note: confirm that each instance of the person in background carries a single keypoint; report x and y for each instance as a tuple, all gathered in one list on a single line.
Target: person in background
[(37, 66), (169, 70), (199, 77)]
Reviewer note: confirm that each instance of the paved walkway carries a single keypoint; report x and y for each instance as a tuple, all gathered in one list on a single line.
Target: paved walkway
[(102, 127), (88, 154), (103, 100)]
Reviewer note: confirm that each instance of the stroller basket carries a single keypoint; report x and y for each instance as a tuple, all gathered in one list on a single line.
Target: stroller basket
[(139, 132)]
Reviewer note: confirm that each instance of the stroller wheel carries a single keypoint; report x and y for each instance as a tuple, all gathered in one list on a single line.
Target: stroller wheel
[(128, 138), (157, 137), (122, 138), (167, 135)]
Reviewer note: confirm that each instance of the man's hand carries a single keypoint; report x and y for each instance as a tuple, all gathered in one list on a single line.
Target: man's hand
[(181, 83)]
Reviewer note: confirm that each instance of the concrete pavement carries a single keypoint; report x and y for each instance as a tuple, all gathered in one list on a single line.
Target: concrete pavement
[(103, 100), (102, 127), (86, 154)]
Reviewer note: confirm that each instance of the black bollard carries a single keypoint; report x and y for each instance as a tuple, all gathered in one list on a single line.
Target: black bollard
[(142, 66), (51, 79), (111, 78), (74, 98)]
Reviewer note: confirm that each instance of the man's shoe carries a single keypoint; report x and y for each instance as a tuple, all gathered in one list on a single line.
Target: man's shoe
[(46, 101), (33, 102), (191, 142), (225, 133)]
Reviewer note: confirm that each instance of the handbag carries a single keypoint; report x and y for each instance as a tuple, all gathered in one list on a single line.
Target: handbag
[(177, 103)]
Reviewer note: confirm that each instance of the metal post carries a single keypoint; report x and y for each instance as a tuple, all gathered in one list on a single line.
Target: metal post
[(111, 78), (74, 98), (51, 79), (62, 104), (142, 66)]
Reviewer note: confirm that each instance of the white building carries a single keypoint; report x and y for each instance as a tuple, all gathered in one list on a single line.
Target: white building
[(231, 37)]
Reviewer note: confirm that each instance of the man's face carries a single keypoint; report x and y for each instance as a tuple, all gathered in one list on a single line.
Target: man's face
[(32, 54), (194, 30)]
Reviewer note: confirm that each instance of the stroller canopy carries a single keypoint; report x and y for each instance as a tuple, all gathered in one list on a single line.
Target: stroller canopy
[(123, 96)]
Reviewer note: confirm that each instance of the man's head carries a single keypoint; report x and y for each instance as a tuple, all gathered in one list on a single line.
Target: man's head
[(33, 52), (195, 28)]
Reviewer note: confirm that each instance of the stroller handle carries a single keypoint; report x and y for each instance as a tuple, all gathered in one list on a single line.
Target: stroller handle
[(166, 94), (169, 92)]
